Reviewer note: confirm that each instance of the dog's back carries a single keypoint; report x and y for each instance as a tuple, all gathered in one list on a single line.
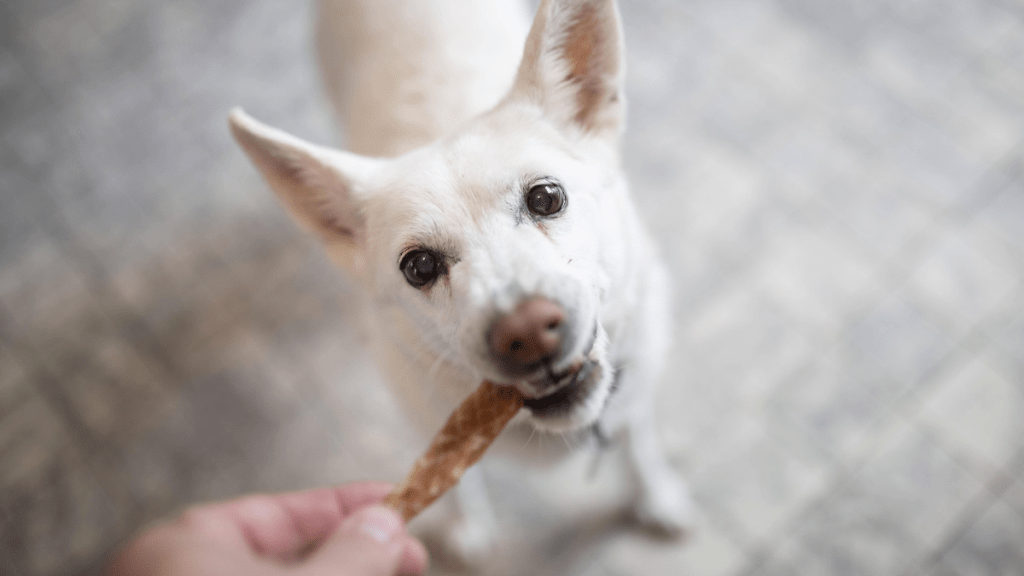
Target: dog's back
[(402, 73)]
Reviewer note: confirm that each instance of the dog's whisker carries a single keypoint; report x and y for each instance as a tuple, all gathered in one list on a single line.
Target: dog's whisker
[(522, 449), (566, 440), (435, 368)]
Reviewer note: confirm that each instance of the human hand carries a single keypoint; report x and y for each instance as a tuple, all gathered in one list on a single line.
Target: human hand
[(337, 531)]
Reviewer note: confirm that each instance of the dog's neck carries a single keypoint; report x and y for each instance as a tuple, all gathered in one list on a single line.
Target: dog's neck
[(402, 74)]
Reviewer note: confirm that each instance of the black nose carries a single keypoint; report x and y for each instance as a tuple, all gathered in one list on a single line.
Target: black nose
[(528, 336)]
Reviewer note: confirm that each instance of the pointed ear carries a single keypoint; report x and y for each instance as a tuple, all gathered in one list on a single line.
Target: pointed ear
[(573, 65), (319, 186)]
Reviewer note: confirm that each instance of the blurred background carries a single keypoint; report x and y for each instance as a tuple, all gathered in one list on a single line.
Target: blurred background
[(837, 185)]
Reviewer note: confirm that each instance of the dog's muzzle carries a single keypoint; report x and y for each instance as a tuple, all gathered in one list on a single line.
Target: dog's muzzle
[(537, 349), (529, 345)]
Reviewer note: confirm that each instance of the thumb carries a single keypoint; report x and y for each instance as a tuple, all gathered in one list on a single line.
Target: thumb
[(367, 543)]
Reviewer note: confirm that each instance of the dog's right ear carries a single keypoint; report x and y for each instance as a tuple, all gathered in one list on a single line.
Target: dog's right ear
[(319, 186)]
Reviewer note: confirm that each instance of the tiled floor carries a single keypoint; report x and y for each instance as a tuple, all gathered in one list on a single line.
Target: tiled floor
[(838, 185)]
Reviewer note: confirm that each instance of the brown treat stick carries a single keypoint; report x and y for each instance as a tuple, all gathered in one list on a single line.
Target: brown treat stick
[(461, 442)]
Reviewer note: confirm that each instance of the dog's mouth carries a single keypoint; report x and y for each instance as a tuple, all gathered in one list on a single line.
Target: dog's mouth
[(557, 394), (567, 390), (570, 393)]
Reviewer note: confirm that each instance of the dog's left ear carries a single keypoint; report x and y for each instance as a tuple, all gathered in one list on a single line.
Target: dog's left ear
[(573, 66)]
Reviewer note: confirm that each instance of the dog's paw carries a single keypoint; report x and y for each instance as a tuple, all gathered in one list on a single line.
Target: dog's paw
[(666, 510), (467, 543)]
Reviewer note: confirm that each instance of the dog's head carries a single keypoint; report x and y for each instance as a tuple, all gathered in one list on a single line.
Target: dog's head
[(495, 246)]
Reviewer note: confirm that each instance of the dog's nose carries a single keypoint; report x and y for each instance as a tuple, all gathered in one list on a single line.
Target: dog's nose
[(527, 336)]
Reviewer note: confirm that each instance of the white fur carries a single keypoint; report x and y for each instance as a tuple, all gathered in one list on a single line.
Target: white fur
[(402, 73), (432, 82)]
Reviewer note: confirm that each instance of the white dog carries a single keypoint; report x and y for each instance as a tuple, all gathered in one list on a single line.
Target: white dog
[(485, 213)]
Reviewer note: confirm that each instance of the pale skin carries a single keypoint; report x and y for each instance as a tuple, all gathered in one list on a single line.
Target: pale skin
[(340, 531)]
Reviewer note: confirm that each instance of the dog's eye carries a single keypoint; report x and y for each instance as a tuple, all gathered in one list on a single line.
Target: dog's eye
[(420, 267), (545, 199)]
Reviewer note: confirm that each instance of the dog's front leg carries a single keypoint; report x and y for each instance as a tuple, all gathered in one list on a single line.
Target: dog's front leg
[(471, 524), (663, 500)]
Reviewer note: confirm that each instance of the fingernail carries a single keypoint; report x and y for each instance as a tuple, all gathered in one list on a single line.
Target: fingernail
[(379, 523)]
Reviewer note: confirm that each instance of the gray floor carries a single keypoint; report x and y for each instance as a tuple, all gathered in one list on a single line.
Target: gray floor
[(837, 185)]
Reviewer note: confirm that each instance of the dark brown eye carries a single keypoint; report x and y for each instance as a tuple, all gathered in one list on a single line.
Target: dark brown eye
[(545, 199), (420, 267)]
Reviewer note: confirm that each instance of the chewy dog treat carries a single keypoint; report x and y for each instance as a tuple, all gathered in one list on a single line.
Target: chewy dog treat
[(461, 442)]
